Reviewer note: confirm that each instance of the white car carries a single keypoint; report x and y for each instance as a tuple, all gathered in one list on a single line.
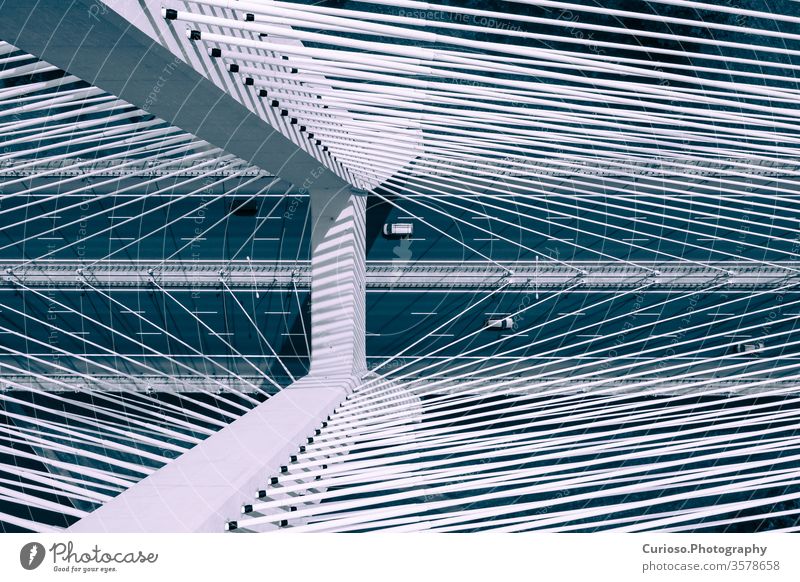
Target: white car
[(748, 348), (499, 324), (398, 229)]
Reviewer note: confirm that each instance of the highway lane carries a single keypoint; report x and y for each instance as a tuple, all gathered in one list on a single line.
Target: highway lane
[(205, 330), (155, 227), (709, 224), (567, 227), (558, 331), (563, 334)]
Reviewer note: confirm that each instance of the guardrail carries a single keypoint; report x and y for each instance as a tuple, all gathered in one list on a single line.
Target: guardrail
[(252, 275)]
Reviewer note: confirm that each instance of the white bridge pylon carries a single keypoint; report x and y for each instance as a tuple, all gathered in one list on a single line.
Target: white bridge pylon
[(205, 486)]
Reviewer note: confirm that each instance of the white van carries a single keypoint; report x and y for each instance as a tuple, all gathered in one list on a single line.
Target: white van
[(398, 230)]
